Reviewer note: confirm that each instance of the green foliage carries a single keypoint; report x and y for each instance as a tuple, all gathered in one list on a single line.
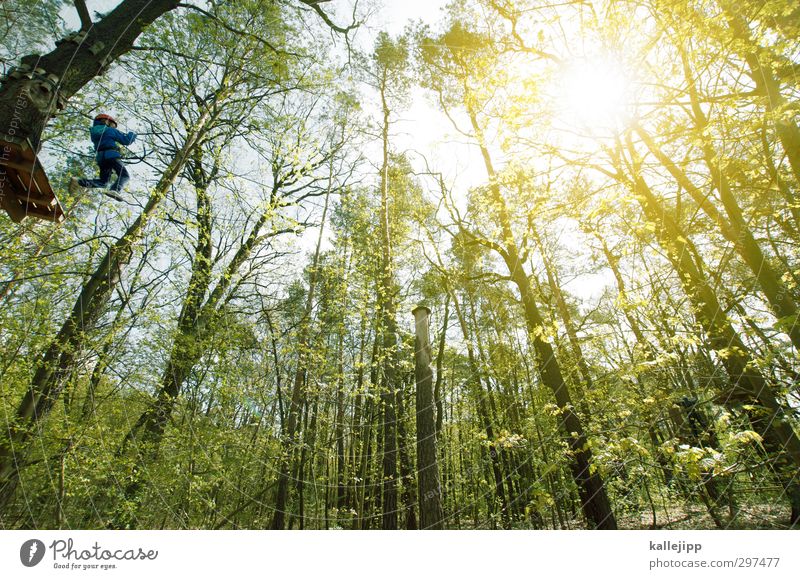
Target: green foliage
[(29, 26), (621, 236)]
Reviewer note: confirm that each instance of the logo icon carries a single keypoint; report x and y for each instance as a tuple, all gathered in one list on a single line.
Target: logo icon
[(31, 553)]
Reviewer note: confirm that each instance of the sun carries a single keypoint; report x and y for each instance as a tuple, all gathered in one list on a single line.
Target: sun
[(593, 93)]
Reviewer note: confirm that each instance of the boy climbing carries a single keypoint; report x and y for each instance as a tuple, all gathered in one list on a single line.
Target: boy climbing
[(106, 139)]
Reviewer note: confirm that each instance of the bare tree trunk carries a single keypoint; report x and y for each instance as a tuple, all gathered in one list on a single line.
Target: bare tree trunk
[(428, 483), (583, 381), (437, 388)]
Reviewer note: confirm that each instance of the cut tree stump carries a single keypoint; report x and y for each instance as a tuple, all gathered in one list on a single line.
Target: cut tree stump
[(24, 188)]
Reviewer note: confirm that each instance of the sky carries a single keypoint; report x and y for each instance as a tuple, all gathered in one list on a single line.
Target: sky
[(396, 14)]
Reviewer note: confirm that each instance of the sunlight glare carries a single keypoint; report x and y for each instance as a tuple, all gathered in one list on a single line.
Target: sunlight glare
[(593, 93)]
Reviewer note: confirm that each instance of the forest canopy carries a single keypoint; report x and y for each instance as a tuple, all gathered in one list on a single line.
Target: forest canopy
[(527, 265)]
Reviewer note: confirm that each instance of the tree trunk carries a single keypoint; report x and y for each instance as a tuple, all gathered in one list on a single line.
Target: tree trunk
[(406, 466), (388, 333), (428, 483), (583, 380), (341, 494)]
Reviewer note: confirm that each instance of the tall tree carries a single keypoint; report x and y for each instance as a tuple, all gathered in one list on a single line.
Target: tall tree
[(389, 76)]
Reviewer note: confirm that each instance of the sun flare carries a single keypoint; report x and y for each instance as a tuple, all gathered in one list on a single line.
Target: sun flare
[(593, 93)]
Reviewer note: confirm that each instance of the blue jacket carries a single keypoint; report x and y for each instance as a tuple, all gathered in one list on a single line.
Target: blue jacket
[(107, 139)]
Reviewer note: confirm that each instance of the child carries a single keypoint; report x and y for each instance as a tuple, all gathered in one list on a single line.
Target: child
[(106, 139)]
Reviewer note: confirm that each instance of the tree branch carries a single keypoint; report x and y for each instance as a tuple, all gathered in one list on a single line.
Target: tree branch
[(314, 5), (83, 13), (233, 30)]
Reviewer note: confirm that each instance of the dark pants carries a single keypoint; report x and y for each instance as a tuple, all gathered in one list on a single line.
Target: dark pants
[(107, 166)]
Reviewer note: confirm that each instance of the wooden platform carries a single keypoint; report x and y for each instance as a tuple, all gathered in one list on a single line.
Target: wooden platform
[(24, 188)]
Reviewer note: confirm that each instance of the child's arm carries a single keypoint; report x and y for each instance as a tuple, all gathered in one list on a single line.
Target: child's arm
[(120, 137)]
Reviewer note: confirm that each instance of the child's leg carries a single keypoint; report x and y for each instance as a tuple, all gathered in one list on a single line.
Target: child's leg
[(102, 181), (122, 175)]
